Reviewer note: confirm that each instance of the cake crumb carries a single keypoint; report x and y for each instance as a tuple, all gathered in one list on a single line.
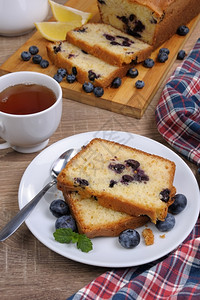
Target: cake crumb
[(162, 236), (148, 236)]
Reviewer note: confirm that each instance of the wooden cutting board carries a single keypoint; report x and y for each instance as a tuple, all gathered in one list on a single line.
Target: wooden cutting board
[(126, 100)]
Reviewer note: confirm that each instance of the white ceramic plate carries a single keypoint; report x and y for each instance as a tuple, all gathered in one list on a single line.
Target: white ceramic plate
[(106, 251)]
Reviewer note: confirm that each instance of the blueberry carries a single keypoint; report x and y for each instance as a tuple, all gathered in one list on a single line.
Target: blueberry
[(164, 195), (167, 224), (116, 82), (182, 30), (66, 222), (98, 91), (33, 50), (88, 87), (59, 208), (180, 202), (71, 78), (139, 84), (181, 55), (129, 238), (148, 63), (44, 63), (58, 77), (62, 72), (118, 168), (25, 55), (164, 50), (74, 71), (36, 59), (162, 57), (112, 183), (132, 72), (81, 181)]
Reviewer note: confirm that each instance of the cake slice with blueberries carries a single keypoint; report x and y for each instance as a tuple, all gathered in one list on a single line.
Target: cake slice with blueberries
[(88, 67), (122, 178), (109, 44)]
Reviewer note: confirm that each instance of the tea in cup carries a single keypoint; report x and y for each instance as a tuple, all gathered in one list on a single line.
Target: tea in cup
[(30, 110)]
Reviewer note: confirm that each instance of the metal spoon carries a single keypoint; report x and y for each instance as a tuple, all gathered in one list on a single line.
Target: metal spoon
[(20, 217)]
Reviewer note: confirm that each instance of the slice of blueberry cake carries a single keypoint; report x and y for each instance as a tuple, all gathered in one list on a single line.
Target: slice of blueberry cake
[(122, 178), (94, 220), (88, 68), (109, 44)]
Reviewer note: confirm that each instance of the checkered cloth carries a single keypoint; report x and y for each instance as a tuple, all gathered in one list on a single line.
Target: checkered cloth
[(178, 111), (176, 276)]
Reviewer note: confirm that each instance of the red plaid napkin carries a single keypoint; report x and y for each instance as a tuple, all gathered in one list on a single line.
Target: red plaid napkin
[(175, 277), (178, 111)]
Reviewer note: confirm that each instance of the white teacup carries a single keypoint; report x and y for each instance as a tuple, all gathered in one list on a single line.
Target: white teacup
[(31, 132), (18, 16)]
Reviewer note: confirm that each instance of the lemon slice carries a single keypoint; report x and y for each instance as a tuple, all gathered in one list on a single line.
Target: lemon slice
[(55, 31), (64, 13)]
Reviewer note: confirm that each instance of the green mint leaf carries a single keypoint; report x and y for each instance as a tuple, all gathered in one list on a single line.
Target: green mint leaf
[(66, 235), (84, 243), (63, 235)]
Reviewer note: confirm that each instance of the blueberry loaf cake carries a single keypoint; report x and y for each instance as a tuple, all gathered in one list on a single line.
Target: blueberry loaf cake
[(122, 178), (152, 21), (95, 220), (109, 44), (89, 68)]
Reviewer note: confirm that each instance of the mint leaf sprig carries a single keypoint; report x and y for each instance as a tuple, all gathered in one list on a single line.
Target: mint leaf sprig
[(66, 235)]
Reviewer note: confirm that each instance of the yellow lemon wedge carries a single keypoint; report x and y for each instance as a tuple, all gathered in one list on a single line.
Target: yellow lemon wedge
[(64, 13), (55, 31)]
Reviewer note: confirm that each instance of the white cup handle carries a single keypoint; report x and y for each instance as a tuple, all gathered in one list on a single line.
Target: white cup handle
[(6, 144)]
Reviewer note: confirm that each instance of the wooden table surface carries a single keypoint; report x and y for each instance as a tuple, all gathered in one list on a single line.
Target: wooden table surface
[(29, 270)]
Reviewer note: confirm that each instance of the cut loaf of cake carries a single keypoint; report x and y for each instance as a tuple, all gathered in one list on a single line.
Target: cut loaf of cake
[(95, 220), (89, 68), (153, 21), (122, 178), (109, 44)]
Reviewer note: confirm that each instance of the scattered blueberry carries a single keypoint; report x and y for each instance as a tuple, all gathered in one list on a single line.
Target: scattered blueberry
[(33, 50), (134, 164), (132, 72), (164, 50), (181, 55), (25, 55), (139, 84), (71, 78), (59, 208), (44, 63), (167, 224), (88, 87), (98, 91), (36, 59), (148, 63), (162, 57), (116, 82), (66, 222), (182, 30), (62, 72), (58, 77), (126, 179), (129, 238), (180, 202), (74, 71)]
